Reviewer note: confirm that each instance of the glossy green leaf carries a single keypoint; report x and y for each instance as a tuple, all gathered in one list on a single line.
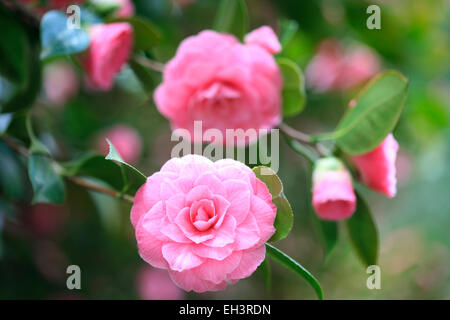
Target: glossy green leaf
[(288, 30), (57, 39), (96, 166), (328, 233), (376, 112), (284, 219), (13, 180), (132, 176), (293, 94), (283, 259), (270, 178), (146, 34), (20, 70), (5, 121), (267, 273), (363, 233), (47, 185), (35, 146), (232, 17), (13, 49)]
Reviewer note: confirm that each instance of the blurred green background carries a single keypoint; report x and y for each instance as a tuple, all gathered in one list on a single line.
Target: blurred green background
[(94, 232)]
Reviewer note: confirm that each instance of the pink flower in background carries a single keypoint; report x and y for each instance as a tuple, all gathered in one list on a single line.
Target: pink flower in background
[(360, 64), (337, 68), (155, 284), (222, 82), (333, 195), (60, 82), (46, 219), (377, 167), (126, 8), (125, 139), (205, 222), (110, 49)]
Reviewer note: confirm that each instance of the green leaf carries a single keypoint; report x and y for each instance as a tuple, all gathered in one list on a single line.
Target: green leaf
[(328, 233), (232, 17), (283, 259), (13, 180), (270, 178), (377, 110), (293, 94), (47, 185), (146, 34), (13, 49), (5, 121), (57, 39), (288, 30), (35, 146), (20, 71), (363, 233), (267, 273), (133, 177), (284, 219), (144, 75)]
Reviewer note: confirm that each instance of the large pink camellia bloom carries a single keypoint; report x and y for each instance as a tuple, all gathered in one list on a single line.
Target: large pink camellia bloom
[(333, 195), (377, 167), (225, 84), (110, 48), (205, 222)]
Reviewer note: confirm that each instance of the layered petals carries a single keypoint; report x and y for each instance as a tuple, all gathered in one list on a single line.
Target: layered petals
[(207, 229), (377, 167)]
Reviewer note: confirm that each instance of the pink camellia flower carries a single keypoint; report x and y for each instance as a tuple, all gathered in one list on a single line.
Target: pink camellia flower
[(110, 48), (60, 82), (125, 139), (333, 195), (377, 167), (337, 68), (155, 284), (225, 84), (205, 222), (126, 8)]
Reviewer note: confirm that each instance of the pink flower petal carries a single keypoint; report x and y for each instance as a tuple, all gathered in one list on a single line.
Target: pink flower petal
[(180, 256)]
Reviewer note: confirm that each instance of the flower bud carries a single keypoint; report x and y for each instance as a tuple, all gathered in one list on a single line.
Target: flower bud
[(333, 196)]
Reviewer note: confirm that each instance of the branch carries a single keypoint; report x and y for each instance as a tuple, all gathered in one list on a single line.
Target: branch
[(295, 134), (13, 144), (148, 63)]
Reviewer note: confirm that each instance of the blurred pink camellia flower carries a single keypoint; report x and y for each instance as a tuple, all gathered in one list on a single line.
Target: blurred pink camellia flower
[(337, 68), (46, 219), (155, 284), (333, 195), (205, 222), (126, 8), (377, 167), (110, 49), (125, 139), (223, 83), (60, 82)]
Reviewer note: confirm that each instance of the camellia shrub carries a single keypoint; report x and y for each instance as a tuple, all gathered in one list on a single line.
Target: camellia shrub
[(207, 223)]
